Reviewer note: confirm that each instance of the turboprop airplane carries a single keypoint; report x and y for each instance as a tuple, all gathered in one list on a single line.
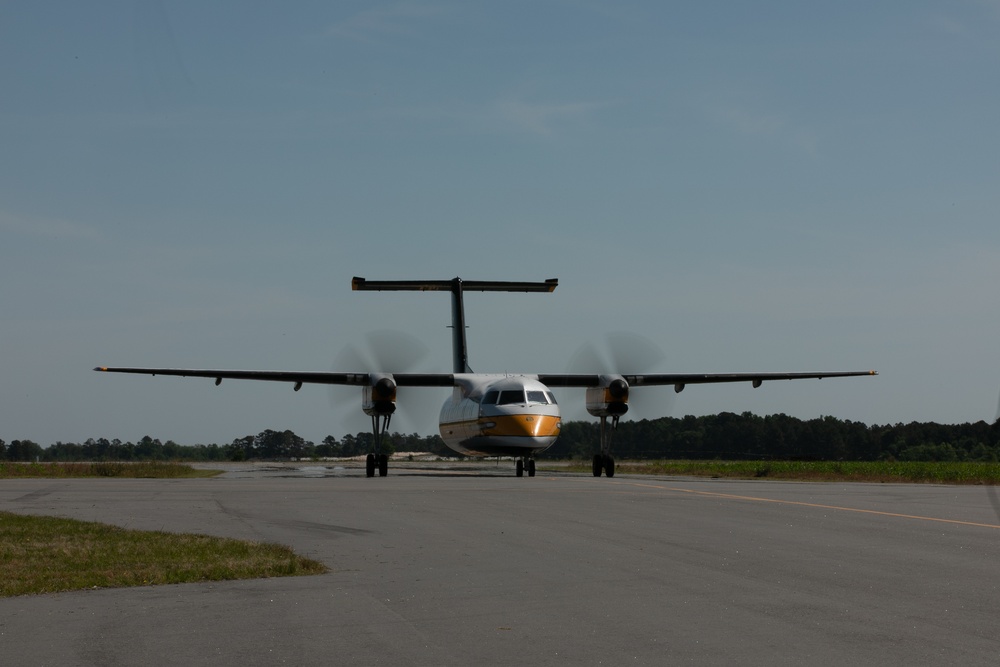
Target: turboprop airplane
[(487, 414)]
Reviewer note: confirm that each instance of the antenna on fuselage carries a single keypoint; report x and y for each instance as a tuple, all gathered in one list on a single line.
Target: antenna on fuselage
[(457, 287)]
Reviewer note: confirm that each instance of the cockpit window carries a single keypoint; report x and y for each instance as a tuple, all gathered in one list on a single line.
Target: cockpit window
[(511, 396), (537, 397), (552, 398), (491, 397)]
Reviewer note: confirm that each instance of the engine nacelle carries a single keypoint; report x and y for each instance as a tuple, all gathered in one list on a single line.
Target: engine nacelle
[(610, 399), (379, 397)]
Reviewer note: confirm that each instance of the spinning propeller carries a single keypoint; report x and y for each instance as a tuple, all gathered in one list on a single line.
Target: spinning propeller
[(386, 351), (628, 353)]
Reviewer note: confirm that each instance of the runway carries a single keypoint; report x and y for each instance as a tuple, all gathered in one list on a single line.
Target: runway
[(460, 565)]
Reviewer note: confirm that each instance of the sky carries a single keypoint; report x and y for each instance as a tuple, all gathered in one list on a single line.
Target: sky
[(767, 186)]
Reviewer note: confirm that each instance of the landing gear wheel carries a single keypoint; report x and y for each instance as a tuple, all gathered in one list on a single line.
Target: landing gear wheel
[(531, 467), (519, 468), (603, 462), (378, 461)]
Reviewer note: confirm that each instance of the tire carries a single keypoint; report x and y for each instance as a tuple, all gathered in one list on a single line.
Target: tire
[(370, 465), (383, 465), (531, 468), (519, 468), (609, 467), (598, 465)]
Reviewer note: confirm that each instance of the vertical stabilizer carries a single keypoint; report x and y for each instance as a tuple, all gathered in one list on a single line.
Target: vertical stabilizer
[(457, 287), (459, 347)]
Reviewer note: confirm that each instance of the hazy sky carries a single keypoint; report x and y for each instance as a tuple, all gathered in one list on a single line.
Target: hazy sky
[(766, 186)]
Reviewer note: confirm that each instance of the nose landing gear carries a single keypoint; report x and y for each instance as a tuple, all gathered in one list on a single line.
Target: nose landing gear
[(523, 464)]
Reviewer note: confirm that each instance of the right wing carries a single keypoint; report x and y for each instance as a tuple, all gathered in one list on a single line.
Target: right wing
[(296, 377)]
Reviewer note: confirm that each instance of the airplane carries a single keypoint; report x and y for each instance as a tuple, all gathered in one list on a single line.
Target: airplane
[(487, 414)]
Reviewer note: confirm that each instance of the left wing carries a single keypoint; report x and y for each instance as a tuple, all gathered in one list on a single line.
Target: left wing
[(680, 380)]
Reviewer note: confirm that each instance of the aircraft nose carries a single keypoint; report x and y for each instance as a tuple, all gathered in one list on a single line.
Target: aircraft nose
[(525, 425), (521, 425)]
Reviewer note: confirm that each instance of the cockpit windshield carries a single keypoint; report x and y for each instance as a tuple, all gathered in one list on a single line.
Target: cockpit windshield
[(536, 397), (510, 397), (517, 396)]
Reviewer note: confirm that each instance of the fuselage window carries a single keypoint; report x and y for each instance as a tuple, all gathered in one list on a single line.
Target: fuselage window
[(491, 397), (511, 396), (537, 397)]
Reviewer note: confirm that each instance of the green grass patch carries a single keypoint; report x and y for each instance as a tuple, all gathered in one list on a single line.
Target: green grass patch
[(825, 471), (138, 469), (41, 554)]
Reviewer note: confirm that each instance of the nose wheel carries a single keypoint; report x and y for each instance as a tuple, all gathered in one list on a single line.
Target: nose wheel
[(525, 464)]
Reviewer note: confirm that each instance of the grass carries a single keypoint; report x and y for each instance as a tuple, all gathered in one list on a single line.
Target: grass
[(40, 554), (139, 469), (826, 471)]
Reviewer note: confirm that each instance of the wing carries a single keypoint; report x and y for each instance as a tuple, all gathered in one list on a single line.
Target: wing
[(296, 377), (680, 380)]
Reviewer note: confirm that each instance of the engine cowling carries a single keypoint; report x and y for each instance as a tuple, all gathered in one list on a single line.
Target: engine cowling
[(610, 398), (379, 397)]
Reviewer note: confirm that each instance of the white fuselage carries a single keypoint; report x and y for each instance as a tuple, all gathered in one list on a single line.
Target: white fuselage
[(499, 415)]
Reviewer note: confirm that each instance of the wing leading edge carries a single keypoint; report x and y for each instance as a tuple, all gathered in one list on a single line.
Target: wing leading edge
[(296, 377), (678, 380)]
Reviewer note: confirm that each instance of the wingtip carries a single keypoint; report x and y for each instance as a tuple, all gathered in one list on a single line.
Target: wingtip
[(102, 369)]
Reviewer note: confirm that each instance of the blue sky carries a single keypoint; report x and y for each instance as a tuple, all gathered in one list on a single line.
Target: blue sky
[(771, 186)]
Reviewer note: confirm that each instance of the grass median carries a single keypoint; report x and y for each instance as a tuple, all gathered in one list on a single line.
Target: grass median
[(41, 554), (941, 472), (137, 469)]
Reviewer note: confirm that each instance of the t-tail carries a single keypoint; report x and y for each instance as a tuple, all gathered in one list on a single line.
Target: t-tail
[(457, 287)]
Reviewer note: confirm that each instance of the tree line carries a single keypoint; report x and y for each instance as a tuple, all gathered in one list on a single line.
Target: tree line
[(266, 445), (722, 436), (750, 437)]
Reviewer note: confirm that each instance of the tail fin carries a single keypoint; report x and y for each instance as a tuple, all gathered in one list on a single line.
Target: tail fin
[(457, 286)]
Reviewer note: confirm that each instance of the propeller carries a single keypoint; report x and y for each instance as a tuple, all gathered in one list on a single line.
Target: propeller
[(628, 353), (386, 351)]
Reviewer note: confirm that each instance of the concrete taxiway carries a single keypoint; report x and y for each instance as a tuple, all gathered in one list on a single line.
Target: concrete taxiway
[(458, 565)]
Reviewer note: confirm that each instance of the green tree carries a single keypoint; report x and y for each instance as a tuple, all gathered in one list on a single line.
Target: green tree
[(241, 449), (329, 447), (23, 450)]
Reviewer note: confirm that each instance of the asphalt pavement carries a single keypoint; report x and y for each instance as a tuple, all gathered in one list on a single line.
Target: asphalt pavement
[(456, 564)]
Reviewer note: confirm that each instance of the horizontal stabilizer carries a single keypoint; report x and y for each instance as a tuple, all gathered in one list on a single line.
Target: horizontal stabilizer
[(450, 285)]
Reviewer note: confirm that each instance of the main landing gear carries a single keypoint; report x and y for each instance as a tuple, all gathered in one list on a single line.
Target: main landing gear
[(523, 464), (604, 462), (377, 460)]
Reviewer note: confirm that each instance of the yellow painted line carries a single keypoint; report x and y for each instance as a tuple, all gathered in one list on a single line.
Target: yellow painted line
[(731, 496)]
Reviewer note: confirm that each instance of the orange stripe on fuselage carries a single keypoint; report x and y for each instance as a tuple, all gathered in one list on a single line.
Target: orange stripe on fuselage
[(533, 426), (524, 426)]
